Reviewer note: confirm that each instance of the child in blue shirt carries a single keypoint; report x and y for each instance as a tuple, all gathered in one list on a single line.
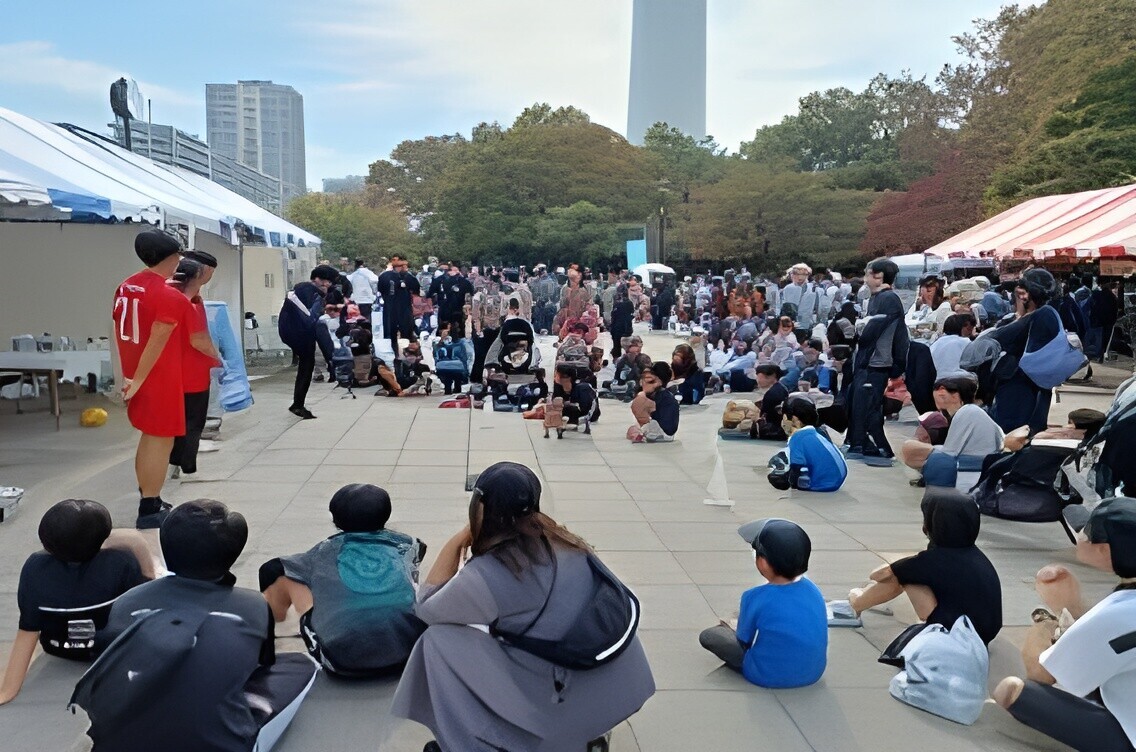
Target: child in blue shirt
[(782, 635), (815, 464)]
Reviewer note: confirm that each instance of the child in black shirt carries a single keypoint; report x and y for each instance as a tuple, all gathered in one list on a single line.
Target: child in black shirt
[(952, 578), (81, 570)]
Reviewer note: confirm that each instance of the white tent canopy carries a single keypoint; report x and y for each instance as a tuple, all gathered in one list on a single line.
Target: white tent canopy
[(643, 271), (89, 177)]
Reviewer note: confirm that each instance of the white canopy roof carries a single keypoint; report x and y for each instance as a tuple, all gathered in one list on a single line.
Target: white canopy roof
[(95, 179)]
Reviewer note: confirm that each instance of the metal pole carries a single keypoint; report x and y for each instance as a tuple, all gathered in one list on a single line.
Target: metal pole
[(662, 235), (149, 129)]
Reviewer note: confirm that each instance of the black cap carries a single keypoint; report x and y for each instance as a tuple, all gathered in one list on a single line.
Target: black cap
[(784, 544), (201, 257), (508, 490), (1113, 521), (155, 246)]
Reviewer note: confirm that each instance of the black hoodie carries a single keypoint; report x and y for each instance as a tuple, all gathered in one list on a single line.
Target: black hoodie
[(962, 579)]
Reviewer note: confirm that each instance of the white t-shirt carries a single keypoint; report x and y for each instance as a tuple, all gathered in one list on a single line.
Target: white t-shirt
[(364, 282), (1083, 658), (973, 433), (946, 351)]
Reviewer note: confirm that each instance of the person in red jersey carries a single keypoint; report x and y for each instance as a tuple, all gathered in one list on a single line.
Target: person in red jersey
[(198, 357), (146, 311)]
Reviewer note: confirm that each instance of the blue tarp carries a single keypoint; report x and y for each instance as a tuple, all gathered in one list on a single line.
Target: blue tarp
[(63, 194), (236, 394)]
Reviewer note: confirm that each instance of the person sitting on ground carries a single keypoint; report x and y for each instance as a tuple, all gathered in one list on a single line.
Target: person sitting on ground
[(655, 408), (946, 351), (803, 365), (684, 365), (951, 578), (769, 425), (230, 692), (1083, 424), (452, 360), (782, 635), (734, 372), (579, 396), (626, 370), (812, 455), (523, 573), (65, 591), (1092, 660), (354, 591), (972, 433)]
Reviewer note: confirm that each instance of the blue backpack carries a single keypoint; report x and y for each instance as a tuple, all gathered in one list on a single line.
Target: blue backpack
[(450, 356)]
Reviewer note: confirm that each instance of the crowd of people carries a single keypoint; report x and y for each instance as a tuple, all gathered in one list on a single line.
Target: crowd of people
[(552, 660)]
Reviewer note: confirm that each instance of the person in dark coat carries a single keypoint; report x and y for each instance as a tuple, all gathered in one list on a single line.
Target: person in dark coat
[(1017, 400), (451, 291), (664, 303), (622, 317), (881, 354), (396, 286), (301, 330), (1103, 305)]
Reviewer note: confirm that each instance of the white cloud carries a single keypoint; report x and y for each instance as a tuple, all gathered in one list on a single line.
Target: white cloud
[(38, 64)]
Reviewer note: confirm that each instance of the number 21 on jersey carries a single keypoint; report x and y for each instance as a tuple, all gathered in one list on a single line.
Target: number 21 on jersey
[(127, 308)]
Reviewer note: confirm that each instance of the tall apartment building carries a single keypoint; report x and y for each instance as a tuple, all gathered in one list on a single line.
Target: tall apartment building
[(260, 124), (668, 67)]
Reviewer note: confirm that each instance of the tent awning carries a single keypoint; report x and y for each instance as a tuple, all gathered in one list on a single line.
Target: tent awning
[(1085, 222), (92, 179)]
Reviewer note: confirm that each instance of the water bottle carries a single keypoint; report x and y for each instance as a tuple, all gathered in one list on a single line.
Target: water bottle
[(803, 482)]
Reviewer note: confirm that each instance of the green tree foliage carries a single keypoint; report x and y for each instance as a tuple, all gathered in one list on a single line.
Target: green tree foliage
[(542, 113), (1090, 143), (770, 219), (491, 199), (411, 172), (582, 232), (354, 225), (683, 160)]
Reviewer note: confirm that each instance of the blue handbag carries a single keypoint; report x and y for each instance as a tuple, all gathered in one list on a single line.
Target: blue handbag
[(1057, 360)]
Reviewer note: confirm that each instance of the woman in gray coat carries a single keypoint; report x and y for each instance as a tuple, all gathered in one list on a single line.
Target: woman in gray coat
[(474, 691)]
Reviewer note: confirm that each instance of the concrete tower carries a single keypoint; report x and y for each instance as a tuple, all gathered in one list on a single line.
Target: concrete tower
[(668, 67)]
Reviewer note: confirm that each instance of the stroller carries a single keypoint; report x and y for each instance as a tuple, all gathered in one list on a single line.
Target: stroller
[(1101, 466), (513, 362)]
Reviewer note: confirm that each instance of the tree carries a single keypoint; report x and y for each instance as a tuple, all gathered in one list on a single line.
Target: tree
[(413, 167), (683, 159), (349, 227), (542, 113), (581, 232), (769, 220)]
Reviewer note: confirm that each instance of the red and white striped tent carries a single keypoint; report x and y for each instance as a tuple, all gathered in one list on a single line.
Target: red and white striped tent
[(1087, 225)]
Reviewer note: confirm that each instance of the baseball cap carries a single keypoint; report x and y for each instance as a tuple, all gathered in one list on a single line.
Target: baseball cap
[(784, 544), (1113, 521)]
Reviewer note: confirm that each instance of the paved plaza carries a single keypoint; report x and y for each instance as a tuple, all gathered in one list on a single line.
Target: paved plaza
[(642, 508)]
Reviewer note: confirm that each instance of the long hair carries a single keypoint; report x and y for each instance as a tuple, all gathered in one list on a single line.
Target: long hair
[(687, 362), (517, 543)]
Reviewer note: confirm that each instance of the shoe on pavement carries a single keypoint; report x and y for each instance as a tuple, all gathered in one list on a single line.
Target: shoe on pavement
[(878, 461), (853, 453), (840, 614), (301, 412), (154, 520)]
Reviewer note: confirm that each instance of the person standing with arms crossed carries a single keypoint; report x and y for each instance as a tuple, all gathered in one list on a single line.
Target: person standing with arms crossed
[(146, 312)]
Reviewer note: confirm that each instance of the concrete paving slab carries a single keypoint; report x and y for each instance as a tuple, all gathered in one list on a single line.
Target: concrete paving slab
[(641, 505)]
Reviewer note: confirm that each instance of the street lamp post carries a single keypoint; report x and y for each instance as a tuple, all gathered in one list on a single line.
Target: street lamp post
[(662, 234)]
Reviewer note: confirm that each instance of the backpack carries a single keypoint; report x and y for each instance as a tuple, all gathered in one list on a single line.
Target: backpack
[(449, 356), (1020, 485), (574, 352), (790, 310), (140, 661), (599, 632)]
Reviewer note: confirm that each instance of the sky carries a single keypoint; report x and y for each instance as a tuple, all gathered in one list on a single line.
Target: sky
[(376, 72)]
